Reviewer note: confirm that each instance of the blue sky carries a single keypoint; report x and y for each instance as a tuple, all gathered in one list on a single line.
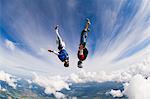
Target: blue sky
[(119, 30)]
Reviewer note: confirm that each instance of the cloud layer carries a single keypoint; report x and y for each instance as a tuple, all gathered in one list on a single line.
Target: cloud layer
[(136, 81), (138, 88)]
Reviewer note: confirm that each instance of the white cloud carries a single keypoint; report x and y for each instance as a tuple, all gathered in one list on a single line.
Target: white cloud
[(138, 88), (74, 98), (8, 78), (51, 84), (59, 95), (9, 44), (115, 93), (134, 77), (123, 75), (2, 89)]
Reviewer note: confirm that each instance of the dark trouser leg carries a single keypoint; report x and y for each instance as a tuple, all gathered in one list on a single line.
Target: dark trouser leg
[(83, 37), (80, 64)]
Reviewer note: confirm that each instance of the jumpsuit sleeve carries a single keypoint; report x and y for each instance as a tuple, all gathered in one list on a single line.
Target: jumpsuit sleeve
[(56, 53)]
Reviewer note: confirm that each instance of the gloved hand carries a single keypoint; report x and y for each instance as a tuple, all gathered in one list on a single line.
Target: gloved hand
[(50, 50)]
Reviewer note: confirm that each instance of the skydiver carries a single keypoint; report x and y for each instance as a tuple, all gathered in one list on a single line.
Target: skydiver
[(62, 54), (82, 51)]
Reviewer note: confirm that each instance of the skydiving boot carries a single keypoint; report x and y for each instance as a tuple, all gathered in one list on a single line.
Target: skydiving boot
[(79, 64)]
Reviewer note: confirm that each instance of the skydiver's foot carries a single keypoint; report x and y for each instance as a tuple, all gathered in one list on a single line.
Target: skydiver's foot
[(66, 66), (79, 64), (88, 21), (50, 50), (56, 27)]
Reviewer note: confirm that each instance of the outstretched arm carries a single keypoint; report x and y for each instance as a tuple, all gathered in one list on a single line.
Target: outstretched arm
[(56, 53)]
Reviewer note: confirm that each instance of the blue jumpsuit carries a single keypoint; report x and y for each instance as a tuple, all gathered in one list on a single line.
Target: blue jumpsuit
[(63, 55)]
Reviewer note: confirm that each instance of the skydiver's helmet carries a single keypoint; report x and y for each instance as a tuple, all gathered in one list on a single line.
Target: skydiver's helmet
[(66, 63)]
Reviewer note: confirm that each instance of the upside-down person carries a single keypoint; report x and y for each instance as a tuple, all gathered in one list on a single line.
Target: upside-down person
[(62, 54), (82, 51)]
